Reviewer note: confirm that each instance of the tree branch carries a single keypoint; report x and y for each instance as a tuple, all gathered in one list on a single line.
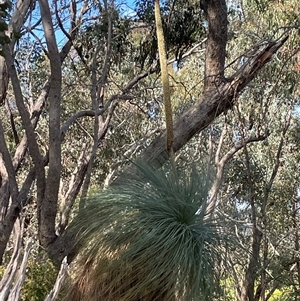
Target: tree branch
[(13, 186), (6, 282), (16, 22), (32, 143), (206, 109), (213, 200), (47, 206), (97, 95)]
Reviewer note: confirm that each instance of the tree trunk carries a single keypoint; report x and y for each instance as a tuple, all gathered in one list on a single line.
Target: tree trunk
[(47, 203), (216, 13), (296, 207), (247, 293)]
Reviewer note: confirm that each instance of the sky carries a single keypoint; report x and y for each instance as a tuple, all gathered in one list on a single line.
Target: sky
[(126, 6)]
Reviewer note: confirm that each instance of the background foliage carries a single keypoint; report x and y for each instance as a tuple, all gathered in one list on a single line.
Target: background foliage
[(258, 197)]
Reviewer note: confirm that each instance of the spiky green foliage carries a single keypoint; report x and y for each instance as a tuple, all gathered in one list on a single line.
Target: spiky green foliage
[(149, 239)]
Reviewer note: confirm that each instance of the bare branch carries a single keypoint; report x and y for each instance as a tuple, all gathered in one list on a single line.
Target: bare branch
[(33, 146), (213, 200), (97, 98), (39, 104), (12, 122), (190, 51), (74, 27), (91, 113), (278, 154), (73, 190), (218, 152), (13, 186), (16, 22)]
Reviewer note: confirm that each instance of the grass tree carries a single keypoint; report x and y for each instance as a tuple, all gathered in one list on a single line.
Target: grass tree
[(149, 239)]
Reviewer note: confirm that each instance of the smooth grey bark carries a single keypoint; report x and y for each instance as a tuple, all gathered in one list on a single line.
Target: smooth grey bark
[(10, 214), (17, 20), (8, 277), (47, 204)]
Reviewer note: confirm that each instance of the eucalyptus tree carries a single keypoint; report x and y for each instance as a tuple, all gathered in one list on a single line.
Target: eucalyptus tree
[(254, 179), (256, 176), (266, 168), (94, 83)]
